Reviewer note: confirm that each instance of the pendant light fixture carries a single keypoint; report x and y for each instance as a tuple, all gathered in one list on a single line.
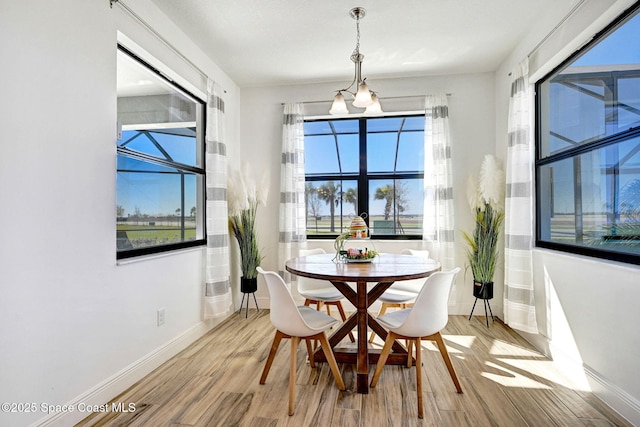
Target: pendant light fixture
[(363, 98)]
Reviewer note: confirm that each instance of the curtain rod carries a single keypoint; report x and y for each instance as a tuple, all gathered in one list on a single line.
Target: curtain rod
[(380, 98), (556, 28), (149, 28)]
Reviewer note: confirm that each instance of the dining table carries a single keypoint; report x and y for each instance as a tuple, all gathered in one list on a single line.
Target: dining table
[(362, 283)]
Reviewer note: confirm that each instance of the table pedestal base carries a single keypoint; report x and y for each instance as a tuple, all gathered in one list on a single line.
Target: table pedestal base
[(350, 356)]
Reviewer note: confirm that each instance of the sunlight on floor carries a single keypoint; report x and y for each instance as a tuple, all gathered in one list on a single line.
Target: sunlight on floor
[(461, 340), (502, 348), (511, 378), (548, 370)]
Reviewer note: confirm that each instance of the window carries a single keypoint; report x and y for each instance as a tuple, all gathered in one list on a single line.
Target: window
[(160, 162), (372, 165), (588, 148)]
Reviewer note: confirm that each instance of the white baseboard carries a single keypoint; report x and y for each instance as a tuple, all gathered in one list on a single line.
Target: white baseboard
[(619, 400), (122, 380), (613, 396)]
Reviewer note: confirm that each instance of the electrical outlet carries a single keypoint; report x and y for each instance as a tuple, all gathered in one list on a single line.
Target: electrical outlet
[(161, 316)]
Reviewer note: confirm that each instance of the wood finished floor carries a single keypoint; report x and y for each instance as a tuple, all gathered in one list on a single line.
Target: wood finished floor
[(214, 382)]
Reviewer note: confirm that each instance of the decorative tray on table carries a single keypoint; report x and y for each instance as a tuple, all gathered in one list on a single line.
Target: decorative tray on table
[(357, 255)]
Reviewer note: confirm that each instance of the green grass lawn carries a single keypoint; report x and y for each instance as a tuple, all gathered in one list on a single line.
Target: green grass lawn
[(409, 225), (143, 235)]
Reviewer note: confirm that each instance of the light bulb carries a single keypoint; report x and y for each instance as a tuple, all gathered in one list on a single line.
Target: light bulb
[(339, 106), (375, 108), (363, 97)]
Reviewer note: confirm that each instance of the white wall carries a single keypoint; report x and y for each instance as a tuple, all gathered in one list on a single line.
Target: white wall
[(75, 327), (586, 308), (472, 125)]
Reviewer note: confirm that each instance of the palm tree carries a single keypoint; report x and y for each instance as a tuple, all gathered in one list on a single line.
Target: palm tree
[(311, 199), (312, 202), (385, 193), (351, 196), (394, 194), (330, 193)]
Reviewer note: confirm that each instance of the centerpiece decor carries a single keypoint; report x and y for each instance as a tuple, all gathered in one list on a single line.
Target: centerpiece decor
[(486, 199), (358, 230), (244, 198)]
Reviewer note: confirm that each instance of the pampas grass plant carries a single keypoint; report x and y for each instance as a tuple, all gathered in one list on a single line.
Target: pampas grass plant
[(486, 197), (243, 200)]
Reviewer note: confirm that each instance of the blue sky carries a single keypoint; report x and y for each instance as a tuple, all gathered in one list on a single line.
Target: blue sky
[(579, 117), (620, 47), (156, 193), (321, 156)]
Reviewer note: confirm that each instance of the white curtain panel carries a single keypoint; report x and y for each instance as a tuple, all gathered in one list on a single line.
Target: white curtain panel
[(292, 225), (519, 304), (438, 224), (218, 300)]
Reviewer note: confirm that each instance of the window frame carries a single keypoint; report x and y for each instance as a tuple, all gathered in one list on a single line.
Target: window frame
[(585, 147), (363, 177), (198, 171)]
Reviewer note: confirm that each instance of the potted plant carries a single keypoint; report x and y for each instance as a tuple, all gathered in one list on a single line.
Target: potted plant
[(486, 198), (244, 198)]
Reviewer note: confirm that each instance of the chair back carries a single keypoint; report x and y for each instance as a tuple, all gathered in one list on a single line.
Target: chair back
[(307, 284), (284, 313), (430, 311), (416, 252), (413, 285)]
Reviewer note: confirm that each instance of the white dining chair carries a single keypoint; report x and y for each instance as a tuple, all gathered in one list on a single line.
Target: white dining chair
[(296, 323), (321, 292), (401, 294), (424, 321)]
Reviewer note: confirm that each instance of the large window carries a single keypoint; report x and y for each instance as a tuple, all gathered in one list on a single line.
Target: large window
[(160, 162), (365, 165), (588, 148)]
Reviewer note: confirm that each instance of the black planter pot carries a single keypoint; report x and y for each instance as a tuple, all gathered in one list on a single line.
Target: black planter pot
[(248, 286), (483, 290)]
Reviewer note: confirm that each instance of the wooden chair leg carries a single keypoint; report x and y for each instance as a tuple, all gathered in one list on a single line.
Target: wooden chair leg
[(326, 347), (409, 353), (308, 302), (419, 377), (388, 343), (382, 311), (437, 337), (292, 374), (310, 352), (272, 353), (343, 316)]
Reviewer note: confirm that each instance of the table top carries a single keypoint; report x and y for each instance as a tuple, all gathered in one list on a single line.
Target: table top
[(385, 267)]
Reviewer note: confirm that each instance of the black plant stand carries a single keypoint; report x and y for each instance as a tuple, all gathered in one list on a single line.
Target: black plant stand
[(248, 286), (246, 294), (483, 291)]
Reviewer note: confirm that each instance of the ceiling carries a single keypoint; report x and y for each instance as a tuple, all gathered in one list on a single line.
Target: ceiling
[(275, 42)]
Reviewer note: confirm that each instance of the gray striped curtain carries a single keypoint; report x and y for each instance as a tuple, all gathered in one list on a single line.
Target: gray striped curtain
[(217, 294), (519, 304), (438, 225), (292, 225)]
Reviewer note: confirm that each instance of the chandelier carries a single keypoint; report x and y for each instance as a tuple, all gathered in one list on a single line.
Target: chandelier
[(363, 98)]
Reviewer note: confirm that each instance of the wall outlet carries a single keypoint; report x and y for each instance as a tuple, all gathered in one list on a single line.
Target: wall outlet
[(161, 316)]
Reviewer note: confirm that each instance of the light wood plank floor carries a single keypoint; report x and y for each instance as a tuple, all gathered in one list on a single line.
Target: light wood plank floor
[(214, 382)]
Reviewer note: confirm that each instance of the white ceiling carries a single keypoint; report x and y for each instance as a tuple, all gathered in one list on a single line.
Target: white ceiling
[(273, 42)]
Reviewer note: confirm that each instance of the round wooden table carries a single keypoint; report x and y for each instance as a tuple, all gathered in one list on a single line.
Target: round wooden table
[(383, 270)]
